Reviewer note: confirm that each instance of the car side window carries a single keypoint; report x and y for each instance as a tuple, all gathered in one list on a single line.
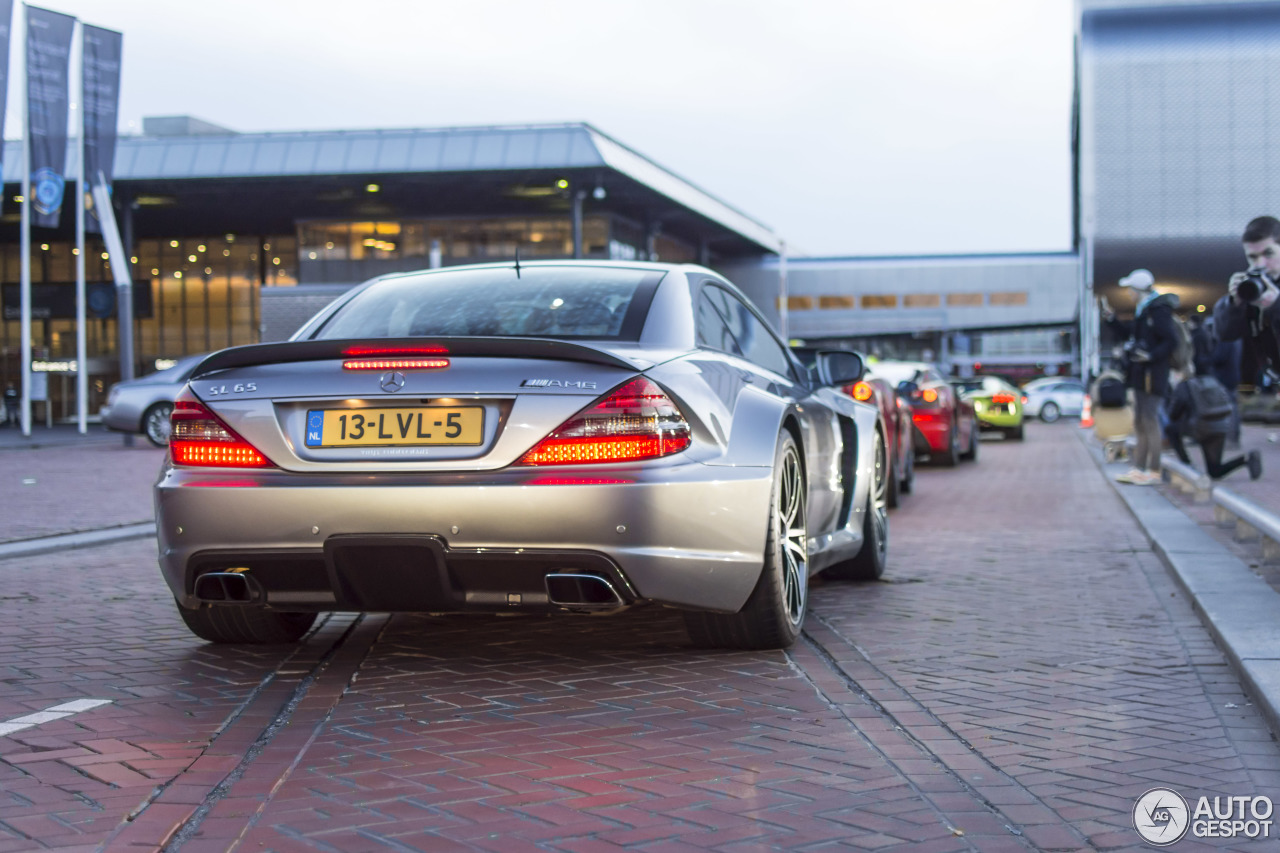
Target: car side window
[(755, 343), (712, 330)]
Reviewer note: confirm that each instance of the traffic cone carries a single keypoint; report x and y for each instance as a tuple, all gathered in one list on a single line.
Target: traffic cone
[(1086, 413)]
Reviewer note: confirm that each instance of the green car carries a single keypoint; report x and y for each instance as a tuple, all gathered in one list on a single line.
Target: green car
[(996, 404)]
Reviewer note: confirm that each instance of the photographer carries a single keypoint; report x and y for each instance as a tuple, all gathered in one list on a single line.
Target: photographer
[(1250, 312), (1153, 336)]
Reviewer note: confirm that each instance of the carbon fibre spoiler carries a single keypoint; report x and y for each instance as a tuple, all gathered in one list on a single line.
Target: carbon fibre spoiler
[(276, 353)]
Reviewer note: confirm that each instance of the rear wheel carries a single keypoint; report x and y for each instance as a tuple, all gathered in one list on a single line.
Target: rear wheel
[(974, 441), (1016, 433), (246, 624), (773, 615), (870, 562), (1050, 412), (951, 457), (155, 423), (892, 498), (909, 479)]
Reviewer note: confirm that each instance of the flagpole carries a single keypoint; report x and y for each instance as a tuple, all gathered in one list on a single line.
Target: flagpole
[(82, 367), (25, 285)]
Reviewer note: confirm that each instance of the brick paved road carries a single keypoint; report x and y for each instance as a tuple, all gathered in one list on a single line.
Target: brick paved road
[(96, 484), (1024, 673)]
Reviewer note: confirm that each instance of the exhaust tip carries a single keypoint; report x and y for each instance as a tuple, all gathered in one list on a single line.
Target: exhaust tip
[(582, 592), (228, 587)]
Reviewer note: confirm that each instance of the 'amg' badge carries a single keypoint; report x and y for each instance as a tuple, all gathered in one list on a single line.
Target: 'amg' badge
[(557, 383)]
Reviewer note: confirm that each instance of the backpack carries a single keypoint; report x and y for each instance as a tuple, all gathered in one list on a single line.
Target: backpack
[(1184, 349), (1211, 407), (1111, 392)]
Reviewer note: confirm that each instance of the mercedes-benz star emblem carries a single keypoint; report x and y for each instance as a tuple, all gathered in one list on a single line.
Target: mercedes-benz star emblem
[(392, 381)]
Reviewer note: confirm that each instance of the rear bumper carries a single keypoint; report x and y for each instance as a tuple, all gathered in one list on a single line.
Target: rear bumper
[(688, 535), (1002, 420), (934, 428)]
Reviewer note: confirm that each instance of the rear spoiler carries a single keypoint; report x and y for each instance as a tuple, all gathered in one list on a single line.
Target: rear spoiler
[(285, 351)]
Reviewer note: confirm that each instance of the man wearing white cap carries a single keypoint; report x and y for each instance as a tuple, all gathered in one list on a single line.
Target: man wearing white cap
[(1147, 354)]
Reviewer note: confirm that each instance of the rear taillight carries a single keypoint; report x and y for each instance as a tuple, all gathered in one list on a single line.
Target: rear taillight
[(1001, 399), (929, 395), (1024, 401), (199, 439), (635, 421), (860, 391), (395, 363)]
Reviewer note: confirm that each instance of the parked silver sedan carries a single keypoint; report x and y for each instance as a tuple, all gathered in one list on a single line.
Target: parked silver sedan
[(144, 405), (1052, 397), (550, 437)]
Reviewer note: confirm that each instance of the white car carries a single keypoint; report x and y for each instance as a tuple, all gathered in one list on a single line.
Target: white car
[(1052, 397)]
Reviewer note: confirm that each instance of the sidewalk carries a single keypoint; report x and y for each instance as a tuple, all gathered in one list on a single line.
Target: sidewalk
[(1236, 605), (61, 435), (58, 481)]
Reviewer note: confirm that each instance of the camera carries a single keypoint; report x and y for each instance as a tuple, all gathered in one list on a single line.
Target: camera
[(1254, 284)]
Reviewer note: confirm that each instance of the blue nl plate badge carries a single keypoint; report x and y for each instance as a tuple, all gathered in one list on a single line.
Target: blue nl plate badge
[(315, 428)]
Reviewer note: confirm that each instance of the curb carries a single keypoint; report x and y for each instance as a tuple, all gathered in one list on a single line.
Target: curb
[(67, 541), (1237, 607)]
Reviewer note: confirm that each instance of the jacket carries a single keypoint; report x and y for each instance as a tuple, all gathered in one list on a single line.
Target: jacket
[(1154, 332), (1260, 330)]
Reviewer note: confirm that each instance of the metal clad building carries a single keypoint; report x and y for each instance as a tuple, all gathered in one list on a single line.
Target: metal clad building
[(961, 308), (1179, 101)]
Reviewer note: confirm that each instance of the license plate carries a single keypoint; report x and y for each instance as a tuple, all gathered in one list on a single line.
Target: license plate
[(415, 427)]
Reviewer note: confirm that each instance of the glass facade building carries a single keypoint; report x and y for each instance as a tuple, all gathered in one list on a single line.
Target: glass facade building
[(215, 219)]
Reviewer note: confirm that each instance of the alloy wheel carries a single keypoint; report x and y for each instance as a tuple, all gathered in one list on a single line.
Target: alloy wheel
[(794, 536)]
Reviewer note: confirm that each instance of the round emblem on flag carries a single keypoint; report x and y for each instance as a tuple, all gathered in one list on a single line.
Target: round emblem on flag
[(47, 191)]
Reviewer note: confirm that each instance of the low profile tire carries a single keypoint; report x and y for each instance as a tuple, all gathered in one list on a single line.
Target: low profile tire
[(950, 458), (1050, 412), (892, 497), (155, 423), (774, 614), (909, 479), (975, 440), (870, 562), (246, 624)]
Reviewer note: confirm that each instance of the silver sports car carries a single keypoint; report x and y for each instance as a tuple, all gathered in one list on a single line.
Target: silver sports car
[(550, 437)]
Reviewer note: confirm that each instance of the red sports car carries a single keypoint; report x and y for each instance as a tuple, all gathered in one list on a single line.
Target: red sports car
[(895, 413), (944, 423)]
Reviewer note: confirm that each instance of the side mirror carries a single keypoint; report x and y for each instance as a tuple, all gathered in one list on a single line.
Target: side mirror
[(840, 367), (906, 388)]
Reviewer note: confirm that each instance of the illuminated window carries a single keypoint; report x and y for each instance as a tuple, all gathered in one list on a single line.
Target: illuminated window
[(880, 300), (799, 303), (836, 303), (921, 300), (964, 299), (1008, 297)]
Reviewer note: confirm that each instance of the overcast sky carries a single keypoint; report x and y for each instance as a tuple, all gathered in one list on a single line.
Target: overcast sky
[(860, 127)]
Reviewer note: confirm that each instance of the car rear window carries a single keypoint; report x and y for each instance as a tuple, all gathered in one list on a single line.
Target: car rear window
[(539, 302)]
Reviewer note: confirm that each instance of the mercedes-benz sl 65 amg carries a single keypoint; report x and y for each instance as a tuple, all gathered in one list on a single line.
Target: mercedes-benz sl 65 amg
[(546, 437)]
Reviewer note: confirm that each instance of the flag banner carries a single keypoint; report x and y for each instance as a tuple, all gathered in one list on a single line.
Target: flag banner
[(102, 52), (48, 56)]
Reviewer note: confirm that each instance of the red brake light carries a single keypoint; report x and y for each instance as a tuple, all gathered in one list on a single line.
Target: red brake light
[(861, 391), (1002, 398), (1024, 401), (198, 438), (395, 363), (635, 421)]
